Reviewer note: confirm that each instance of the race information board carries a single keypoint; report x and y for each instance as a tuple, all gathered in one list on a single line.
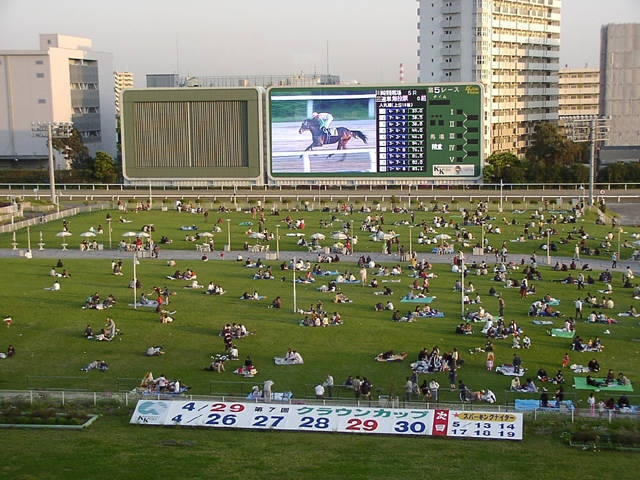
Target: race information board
[(384, 131), (427, 130), (342, 419)]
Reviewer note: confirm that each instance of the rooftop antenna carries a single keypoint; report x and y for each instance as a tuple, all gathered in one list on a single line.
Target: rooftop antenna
[(328, 71), (177, 55)]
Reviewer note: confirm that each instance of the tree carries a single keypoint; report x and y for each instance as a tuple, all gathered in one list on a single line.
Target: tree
[(503, 166), (552, 157), (620, 172), (103, 169), (74, 148)]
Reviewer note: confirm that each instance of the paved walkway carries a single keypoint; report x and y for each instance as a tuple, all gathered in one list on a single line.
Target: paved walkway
[(55, 253)]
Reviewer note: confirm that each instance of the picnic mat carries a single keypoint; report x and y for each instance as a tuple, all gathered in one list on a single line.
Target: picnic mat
[(523, 404), (559, 332), (417, 300), (430, 315), (580, 383), (554, 302)]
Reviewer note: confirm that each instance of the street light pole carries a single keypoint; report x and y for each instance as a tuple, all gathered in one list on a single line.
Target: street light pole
[(352, 240), (109, 223), (548, 248), (295, 301), (501, 185), (410, 244), (461, 255), (278, 242), (619, 232), (28, 254), (228, 235)]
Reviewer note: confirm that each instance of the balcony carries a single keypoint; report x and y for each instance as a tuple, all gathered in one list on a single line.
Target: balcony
[(85, 98), (453, 8)]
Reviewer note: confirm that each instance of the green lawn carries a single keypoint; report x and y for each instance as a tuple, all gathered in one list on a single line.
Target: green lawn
[(47, 333)]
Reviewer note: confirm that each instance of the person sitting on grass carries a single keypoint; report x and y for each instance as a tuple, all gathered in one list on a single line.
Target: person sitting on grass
[(592, 382), (529, 387), (342, 298), (488, 396), (55, 287), (623, 380), (217, 365), (88, 332), (277, 303), (544, 400), (99, 364), (154, 351), (102, 336)]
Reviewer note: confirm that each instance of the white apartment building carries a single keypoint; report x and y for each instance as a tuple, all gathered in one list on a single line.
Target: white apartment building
[(122, 81), (512, 47), (620, 82), (63, 81), (579, 92)]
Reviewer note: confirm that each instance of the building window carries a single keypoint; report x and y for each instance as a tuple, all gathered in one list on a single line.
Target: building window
[(42, 100), (39, 75), (39, 62)]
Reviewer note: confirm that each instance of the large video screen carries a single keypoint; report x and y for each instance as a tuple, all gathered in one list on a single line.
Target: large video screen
[(192, 134), (376, 131)]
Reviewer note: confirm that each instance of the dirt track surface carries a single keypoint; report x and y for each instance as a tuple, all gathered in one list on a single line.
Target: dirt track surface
[(629, 212)]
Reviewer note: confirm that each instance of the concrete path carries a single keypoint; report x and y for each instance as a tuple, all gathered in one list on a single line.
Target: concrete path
[(56, 253)]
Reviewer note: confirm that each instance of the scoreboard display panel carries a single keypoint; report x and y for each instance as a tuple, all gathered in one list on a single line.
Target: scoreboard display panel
[(422, 131)]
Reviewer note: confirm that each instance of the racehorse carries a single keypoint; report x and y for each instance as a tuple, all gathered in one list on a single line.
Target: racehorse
[(341, 137)]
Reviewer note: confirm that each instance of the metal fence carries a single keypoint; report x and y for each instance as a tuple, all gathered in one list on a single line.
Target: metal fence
[(129, 399)]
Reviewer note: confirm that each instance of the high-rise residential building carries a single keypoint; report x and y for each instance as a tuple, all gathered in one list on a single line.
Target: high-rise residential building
[(620, 82), (511, 47), (122, 81), (579, 92), (64, 81)]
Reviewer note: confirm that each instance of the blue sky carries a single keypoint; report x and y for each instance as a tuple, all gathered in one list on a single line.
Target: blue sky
[(364, 40)]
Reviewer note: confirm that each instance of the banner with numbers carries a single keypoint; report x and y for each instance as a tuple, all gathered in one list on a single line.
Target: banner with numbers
[(319, 418)]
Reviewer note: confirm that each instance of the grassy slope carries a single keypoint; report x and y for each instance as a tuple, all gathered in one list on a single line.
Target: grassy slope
[(48, 326)]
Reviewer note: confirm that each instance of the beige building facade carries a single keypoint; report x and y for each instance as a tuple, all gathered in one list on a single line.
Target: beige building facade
[(579, 92), (63, 81)]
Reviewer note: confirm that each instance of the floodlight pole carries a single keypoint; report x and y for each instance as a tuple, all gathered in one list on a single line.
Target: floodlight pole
[(52, 130), (592, 129), (52, 168)]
